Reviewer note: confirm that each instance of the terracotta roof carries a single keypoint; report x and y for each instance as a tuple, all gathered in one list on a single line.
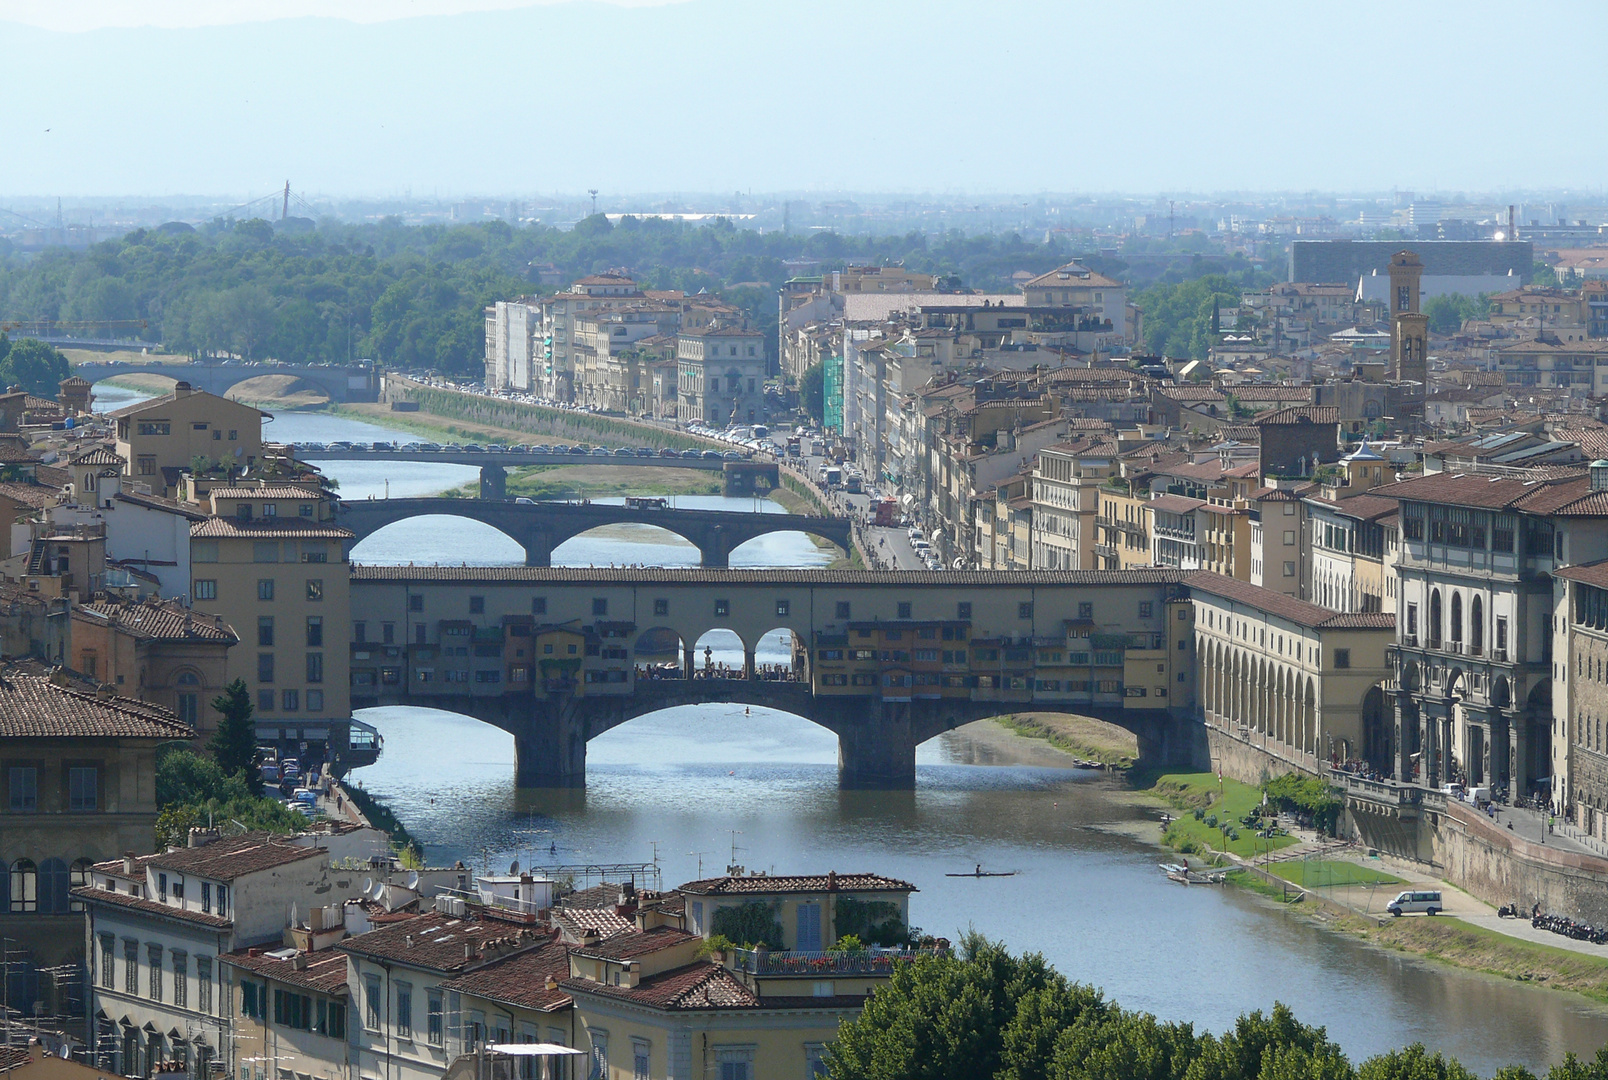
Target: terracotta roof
[(96, 455), (34, 496), (641, 943), (267, 528), (324, 972), (769, 884), (606, 895), (230, 857), (605, 920), (267, 491), (1594, 573), (53, 477), (1194, 470), (1489, 492), (560, 575), (1175, 504), (1272, 393), (438, 941), (1190, 394), (98, 895), (13, 451), (167, 399), (156, 620), (157, 502), (1302, 414), (521, 979), (1360, 507), (1286, 607), (34, 707), (696, 986), (1077, 276)]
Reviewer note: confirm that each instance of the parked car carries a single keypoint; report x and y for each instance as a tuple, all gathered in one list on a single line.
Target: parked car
[(1426, 902), (710, 455), (473, 448), (668, 452), (691, 454), (599, 451), (426, 447), (643, 451), (624, 451)]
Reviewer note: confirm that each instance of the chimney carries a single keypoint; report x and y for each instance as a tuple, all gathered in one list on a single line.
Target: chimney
[(552, 984), (128, 863), (831, 881), (182, 389), (299, 961)]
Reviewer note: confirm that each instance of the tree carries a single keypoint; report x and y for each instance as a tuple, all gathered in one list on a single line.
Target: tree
[(812, 392), (234, 744), (1413, 1063), (32, 365), (1448, 312)]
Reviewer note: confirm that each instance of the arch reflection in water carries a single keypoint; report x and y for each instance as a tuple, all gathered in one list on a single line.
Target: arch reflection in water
[(439, 539)]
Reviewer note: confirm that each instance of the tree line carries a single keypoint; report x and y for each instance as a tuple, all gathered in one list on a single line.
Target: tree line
[(412, 296), (988, 1014)]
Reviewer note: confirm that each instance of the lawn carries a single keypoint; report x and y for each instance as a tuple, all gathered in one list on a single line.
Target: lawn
[(1325, 873), (1228, 800)]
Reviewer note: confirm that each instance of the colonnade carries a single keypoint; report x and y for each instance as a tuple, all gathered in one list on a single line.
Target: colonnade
[(1248, 693)]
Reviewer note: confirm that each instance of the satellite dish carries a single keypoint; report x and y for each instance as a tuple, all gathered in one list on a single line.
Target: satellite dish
[(239, 450), (513, 867), (368, 885), (413, 880)]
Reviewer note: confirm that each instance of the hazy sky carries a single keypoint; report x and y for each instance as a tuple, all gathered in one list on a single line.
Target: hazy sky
[(488, 97)]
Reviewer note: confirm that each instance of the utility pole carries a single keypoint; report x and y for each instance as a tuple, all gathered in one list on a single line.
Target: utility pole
[(593, 192), (284, 211)]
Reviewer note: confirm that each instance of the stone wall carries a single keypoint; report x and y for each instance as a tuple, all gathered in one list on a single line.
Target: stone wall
[(1249, 763)]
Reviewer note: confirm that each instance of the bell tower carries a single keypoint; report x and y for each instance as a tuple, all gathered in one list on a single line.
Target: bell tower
[(1409, 328)]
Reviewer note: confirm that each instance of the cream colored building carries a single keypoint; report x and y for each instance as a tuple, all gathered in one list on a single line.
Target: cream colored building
[(273, 564), (171, 431), (1066, 502)]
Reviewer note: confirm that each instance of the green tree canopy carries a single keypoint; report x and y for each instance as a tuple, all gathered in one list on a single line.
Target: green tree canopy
[(32, 365), (812, 392), (234, 743), (1181, 319)]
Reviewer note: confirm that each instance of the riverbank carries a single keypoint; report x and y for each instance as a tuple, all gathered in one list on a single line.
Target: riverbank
[(383, 818), (549, 482), (1082, 737)]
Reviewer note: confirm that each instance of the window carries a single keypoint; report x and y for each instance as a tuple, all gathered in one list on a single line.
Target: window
[(160, 427), (661, 607), (783, 607), (360, 632), (404, 1010), (147, 465), (265, 631), (315, 631), (203, 551), (265, 588), (265, 668), (963, 610), (600, 1054), (315, 589), (432, 1016), (293, 1010), (223, 900), (181, 979), (388, 633), (83, 788), (904, 609), (206, 899), (416, 602), (600, 605), (842, 609), (1147, 609), (265, 551), (371, 999), (131, 966), (205, 984), (315, 667), (722, 607), (24, 788), (331, 1019), (641, 1056), (153, 954), (477, 605), (814, 1060), (290, 700), (206, 589), (265, 701), (108, 961), (1085, 609), (1289, 569), (1024, 610), (734, 1062), (538, 605), (315, 700)]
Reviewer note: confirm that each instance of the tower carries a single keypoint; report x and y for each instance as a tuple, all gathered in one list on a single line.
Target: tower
[(1409, 328)]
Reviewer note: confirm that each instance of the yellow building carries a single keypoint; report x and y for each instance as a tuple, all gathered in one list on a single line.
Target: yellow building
[(273, 564), (1122, 527), (291, 1013), (161, 436)]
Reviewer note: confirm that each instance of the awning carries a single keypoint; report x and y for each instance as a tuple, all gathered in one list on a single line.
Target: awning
[(534, 1050)]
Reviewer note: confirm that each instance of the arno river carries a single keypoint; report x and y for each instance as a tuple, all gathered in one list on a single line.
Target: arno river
[(691, 783)]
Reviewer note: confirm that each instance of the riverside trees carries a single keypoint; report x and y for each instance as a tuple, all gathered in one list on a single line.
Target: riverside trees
[(988, 1014)]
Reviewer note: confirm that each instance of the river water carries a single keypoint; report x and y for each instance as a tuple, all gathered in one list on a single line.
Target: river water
[(693, 786)]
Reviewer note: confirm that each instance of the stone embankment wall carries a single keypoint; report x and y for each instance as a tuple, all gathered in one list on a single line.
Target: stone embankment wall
[(1243, 761)]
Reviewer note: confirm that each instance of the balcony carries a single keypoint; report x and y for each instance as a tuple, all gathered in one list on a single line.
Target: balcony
[(820, 964), (1108, 551)]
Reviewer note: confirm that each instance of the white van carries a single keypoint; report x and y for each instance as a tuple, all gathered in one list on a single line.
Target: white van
[(1429, 903)]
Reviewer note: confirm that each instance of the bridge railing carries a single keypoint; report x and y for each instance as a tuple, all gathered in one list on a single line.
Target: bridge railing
[(1388, 792)]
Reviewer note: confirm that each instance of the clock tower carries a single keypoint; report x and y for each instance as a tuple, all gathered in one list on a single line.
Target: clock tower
[(1409, 328)]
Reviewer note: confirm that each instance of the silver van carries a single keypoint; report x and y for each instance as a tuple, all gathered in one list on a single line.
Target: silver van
[(1429, 903)]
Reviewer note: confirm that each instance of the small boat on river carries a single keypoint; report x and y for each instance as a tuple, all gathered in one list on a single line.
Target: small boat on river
[(981, 873)]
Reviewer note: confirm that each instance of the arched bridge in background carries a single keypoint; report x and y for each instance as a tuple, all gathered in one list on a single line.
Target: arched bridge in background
[(542, 526), (341, 382)]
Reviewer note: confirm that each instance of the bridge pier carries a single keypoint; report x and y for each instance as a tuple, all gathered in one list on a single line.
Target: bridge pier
[(550, 745), (877, 747), (538, 548), (494, 486)]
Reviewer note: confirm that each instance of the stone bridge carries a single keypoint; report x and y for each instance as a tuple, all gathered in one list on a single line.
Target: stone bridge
[(539, 527), (883, 659), (341, 383)]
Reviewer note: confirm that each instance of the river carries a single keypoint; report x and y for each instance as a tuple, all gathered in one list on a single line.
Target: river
[(694, 785)]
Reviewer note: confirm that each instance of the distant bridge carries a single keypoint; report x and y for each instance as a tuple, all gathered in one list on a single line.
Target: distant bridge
[(342, 383), (883, 659), (539, 527)]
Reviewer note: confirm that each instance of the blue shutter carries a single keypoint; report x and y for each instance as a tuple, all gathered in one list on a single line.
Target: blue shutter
[(809, 928)]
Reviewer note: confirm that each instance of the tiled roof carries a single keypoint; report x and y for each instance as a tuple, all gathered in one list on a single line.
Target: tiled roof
[(1190, 394), (268, 491), (1175, 504), (150, 907), (97, 455), (1360, 507), (1272, 393), (437, 941), (34, 707), (34, 496), (1073, 275), (324, 972), (14, 451), (604, 920), (606, 895), (1302, 414), (1492, 492), (696, 986), (267, 528), (560, 575), (1594, 573), (770, 884), (157, 502), (234, 856), (1286, 607), (641, 943), (157, 620), (521, 979)]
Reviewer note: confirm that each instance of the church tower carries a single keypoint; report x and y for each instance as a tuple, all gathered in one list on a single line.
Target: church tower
[(1409, 328)]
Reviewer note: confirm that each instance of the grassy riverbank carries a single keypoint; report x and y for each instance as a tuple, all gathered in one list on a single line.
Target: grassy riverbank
[(1081, 736), (1223, 803), (597, 481)]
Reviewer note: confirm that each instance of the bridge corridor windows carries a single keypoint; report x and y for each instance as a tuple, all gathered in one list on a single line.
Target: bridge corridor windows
[(660, 653), (781, 656), (721, 654)]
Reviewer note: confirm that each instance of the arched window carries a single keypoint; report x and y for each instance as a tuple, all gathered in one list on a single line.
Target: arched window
[(1457, 616), (1434, 619), (54, 898), (1476, 625), (24, 886), (189, 698)]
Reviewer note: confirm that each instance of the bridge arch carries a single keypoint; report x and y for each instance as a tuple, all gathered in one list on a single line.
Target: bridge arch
[(624, 544), (439, 537), (770, 549)]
